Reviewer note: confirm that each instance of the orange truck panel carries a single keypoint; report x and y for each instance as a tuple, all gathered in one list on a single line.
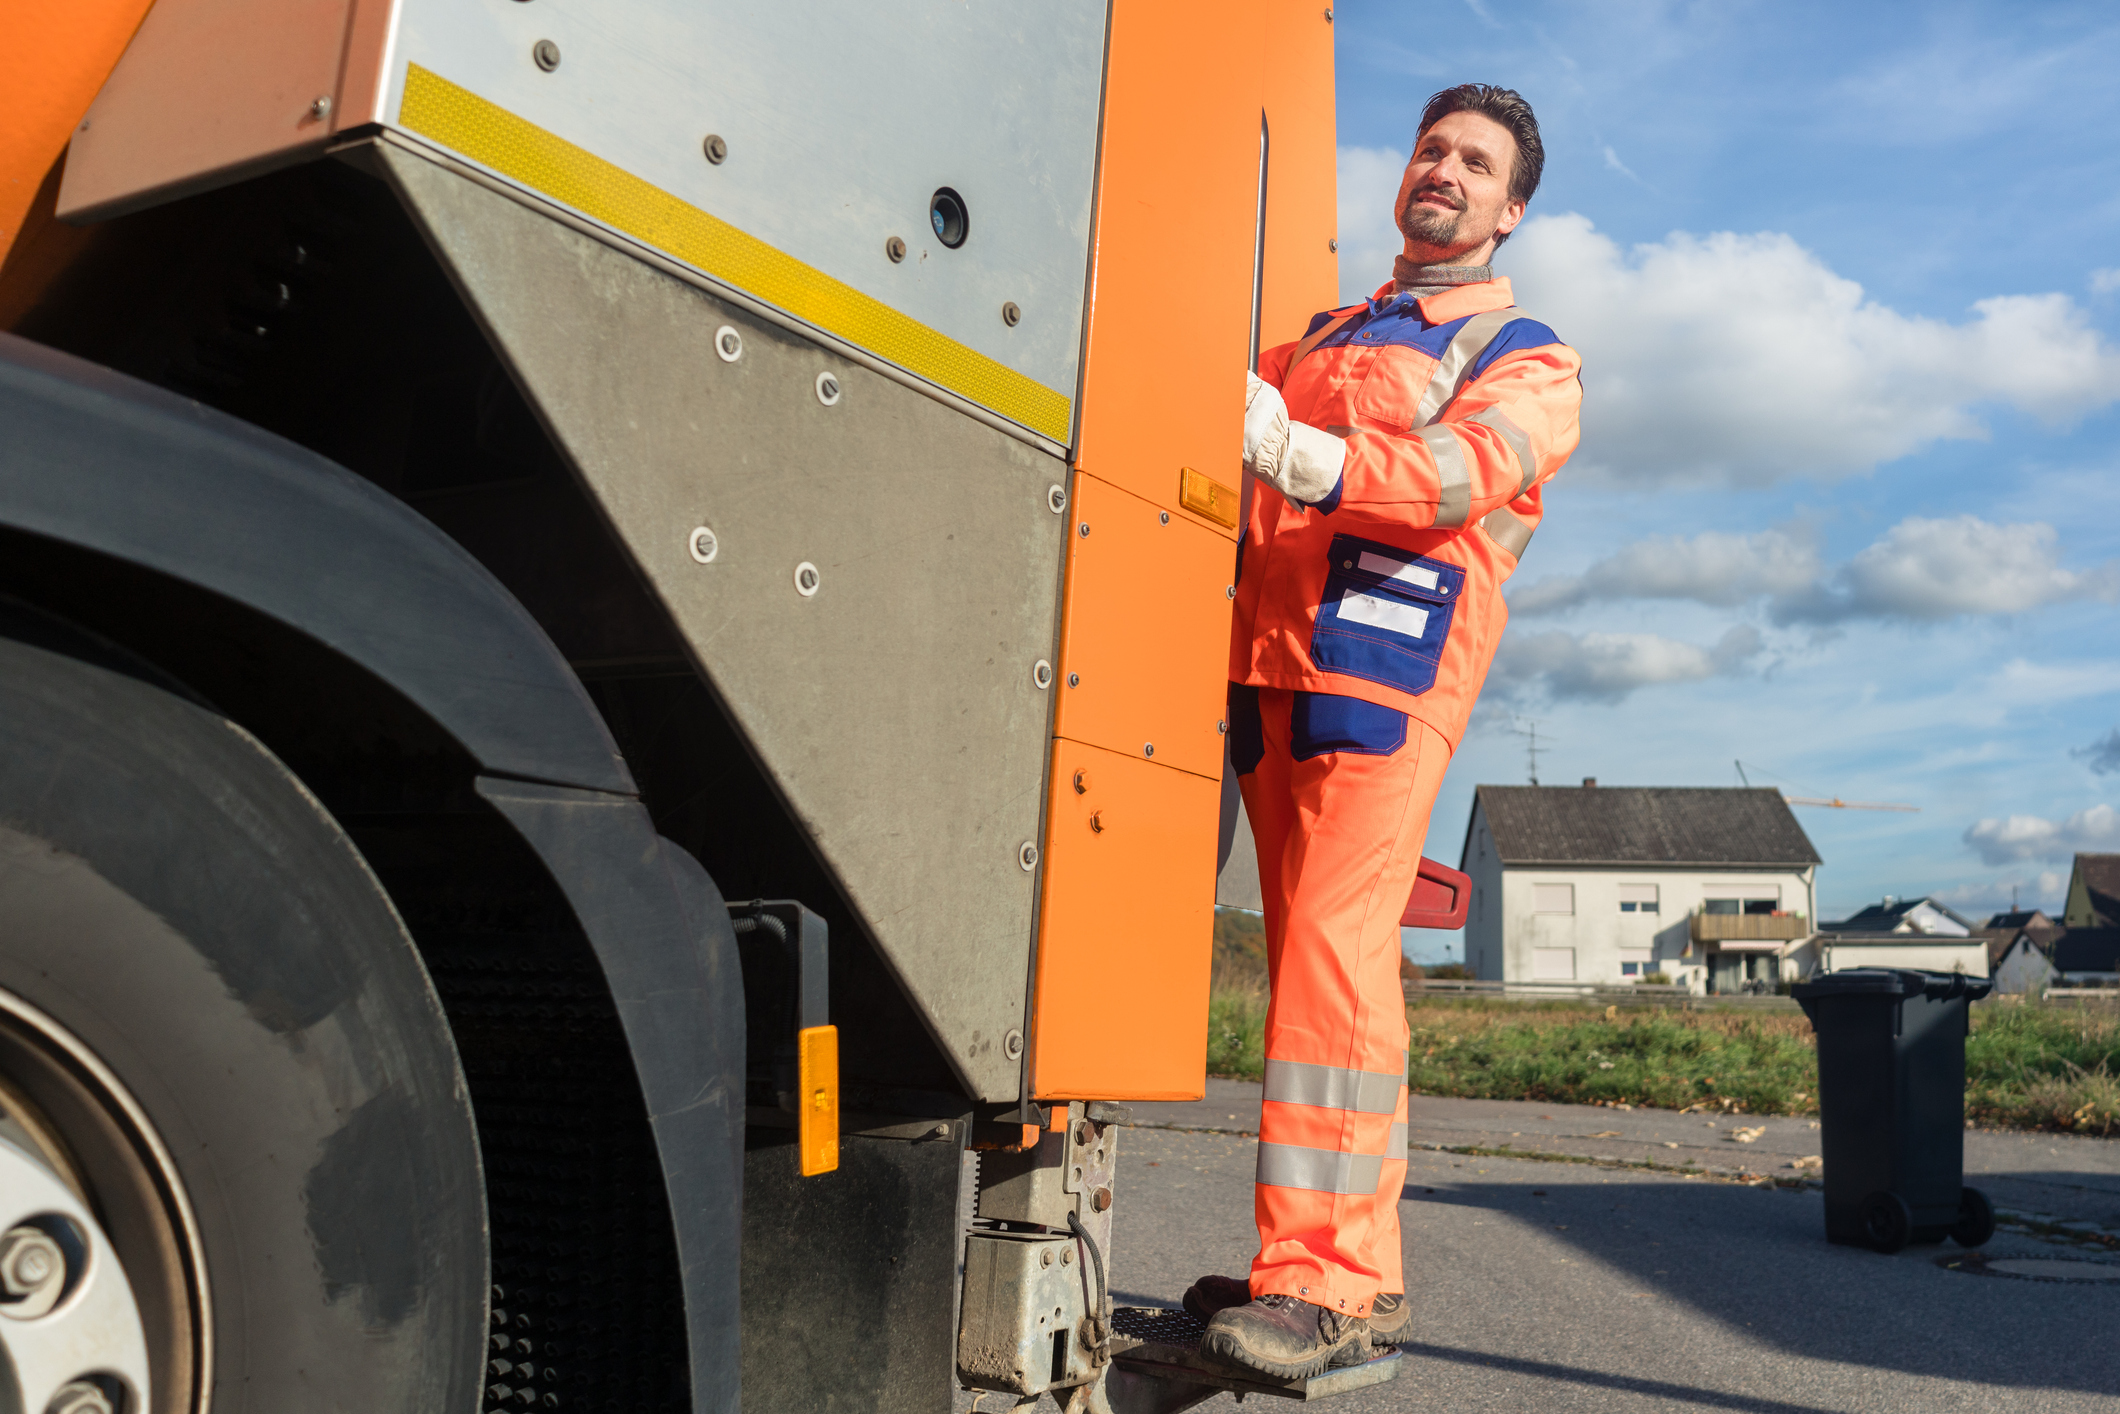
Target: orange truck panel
[(55, 59), (1127, 684), (1126, 917)]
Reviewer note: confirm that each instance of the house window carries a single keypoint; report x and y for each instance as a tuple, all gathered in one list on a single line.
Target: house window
[(1732, 899), (1553, 964), (1636, 962), (1554, 898), (1637, 898)]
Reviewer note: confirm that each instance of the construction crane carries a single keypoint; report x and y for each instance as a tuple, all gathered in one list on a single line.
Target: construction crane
[(1831, 802)]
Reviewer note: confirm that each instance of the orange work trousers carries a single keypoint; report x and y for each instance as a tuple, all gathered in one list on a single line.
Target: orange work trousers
[(1338, 792)]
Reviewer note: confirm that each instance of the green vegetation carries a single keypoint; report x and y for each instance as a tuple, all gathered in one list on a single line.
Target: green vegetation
[(2028, 1064)]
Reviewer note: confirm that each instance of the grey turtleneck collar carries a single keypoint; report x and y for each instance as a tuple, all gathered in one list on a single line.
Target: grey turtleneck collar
[(1424, 280)]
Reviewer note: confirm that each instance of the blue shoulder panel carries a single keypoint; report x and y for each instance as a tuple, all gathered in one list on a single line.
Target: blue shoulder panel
[(1516, 334)]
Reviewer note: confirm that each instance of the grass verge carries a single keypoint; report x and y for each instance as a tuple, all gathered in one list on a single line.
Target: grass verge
[(2028, 1065)]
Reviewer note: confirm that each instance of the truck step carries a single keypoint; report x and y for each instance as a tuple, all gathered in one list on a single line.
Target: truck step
[(1165, 1344)]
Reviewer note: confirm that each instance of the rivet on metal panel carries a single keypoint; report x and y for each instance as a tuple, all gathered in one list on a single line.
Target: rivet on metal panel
[(1232, 591), (1012, 1041), (546, 55), (1328, 17), (1056, 497), (1067, 1256), (1045, 1258), (1027, 856), (1163, 517), (806, 579), (703, 544), (1083, 529), (1101, 1200), (1148, 748), (1096, 822), (320, 106), (1333, 246), (1042, 673), (1074, 679), (1222, 727), (895, 249), (728, 343), (1081, 783), (715, 148), (828, 389), (1010, 314)]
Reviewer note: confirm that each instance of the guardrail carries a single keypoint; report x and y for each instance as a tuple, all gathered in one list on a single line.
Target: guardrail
[(1607, 994)]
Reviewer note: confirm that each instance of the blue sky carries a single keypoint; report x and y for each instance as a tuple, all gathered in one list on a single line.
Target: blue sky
[(1846, 282)]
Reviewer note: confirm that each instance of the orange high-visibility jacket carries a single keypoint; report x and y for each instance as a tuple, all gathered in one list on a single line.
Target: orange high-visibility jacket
[(1455, 409)]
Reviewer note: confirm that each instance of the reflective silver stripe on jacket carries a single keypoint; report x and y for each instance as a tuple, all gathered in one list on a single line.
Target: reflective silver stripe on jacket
[(1466, 346), (1507, 531), (1395, 1147), (1454, 497), (1366, 1092), (1319, 1170), (1518, 441)]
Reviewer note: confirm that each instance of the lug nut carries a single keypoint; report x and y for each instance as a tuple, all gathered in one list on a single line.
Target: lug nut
[(32, 1273), (80, 1397)]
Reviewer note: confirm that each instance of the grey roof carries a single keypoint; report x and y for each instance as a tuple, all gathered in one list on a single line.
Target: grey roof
[(1885, 917), (1670, 825)]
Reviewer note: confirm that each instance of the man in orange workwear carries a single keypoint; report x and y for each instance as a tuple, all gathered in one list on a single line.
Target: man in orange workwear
[(1399, 448)]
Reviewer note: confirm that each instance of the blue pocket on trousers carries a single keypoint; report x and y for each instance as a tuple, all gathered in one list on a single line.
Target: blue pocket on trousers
[(1385, 614), (1321, 723)]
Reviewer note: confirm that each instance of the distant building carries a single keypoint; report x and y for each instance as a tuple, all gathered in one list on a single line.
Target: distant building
[(2093, 892), (2020, 950), (1711, 887), (1913, 932)]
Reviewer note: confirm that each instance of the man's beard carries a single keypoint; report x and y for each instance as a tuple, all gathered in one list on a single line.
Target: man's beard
[(1428, 225)]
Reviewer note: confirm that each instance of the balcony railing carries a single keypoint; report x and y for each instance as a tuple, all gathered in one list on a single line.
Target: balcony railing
[(1779, 927)]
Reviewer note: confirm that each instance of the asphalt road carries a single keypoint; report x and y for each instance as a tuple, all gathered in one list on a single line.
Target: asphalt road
[(1586, 1280)]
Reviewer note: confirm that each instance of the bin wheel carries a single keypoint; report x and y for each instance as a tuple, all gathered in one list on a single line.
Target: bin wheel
[(1976, 1219), (1887, 1221)]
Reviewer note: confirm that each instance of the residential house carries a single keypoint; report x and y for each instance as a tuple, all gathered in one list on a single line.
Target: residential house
[(1707, 886), (2093, 892), (2019, 946), (1918, 933)]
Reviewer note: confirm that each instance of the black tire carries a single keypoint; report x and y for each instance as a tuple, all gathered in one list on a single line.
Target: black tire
[(1976, 1219), (176, 900), (1887, 1222)]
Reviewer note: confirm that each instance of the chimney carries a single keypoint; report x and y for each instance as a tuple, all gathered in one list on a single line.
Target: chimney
[(1589, 783)]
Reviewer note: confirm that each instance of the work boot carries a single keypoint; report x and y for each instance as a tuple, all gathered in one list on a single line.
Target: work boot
[(1209, 1297), (1388, 1323), (1286, 1337)]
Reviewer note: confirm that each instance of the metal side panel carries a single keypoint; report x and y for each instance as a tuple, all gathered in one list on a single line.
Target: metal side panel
[(895, 707)]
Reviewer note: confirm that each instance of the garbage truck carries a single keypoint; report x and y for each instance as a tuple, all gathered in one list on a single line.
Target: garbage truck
[(613, 623)]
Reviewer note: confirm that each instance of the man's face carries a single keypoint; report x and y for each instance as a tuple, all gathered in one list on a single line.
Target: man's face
[(1455, 196)]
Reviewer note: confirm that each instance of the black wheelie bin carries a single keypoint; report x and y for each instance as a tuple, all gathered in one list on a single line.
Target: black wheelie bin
[(1891, 1102)]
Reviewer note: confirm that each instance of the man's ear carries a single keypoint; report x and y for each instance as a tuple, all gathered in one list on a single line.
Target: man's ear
[(1511, 214)]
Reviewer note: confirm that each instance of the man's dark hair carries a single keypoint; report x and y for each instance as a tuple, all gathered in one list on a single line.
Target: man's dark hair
[(1507, 107)]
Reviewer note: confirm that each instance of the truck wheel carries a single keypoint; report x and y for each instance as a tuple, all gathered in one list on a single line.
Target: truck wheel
[(1976, 1219), (229, 1093), (1887, 1221)]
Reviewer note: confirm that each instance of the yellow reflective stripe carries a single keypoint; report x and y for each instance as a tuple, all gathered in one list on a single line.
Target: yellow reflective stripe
[(460, 120), (1453, 475), (1467, 344), (1517, 440), (1369, 1092)]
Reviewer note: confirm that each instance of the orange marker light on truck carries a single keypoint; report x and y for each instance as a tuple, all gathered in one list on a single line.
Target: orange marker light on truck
[(1205, 496), (817, 1114)]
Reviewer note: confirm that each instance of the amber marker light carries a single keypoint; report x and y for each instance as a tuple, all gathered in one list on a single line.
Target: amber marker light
[(818, 1109)]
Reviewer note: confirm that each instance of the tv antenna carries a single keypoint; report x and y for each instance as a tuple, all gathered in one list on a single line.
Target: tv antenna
[(1531, 747)]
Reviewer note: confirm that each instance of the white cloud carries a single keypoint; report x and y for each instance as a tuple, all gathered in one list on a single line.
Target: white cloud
[(1747, 359), (2102, 755), (1606, 667), (1613, 163), (1921, 570), (2022, 837), (1991, 896), (2104, 282), (1710, 568), (1369, 237), (1926, 570)]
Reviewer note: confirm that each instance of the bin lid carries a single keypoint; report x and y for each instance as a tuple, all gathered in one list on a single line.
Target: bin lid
[(1892, 982)]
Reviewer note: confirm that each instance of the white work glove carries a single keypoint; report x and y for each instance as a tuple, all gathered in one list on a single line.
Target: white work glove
[(1298, 460)]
